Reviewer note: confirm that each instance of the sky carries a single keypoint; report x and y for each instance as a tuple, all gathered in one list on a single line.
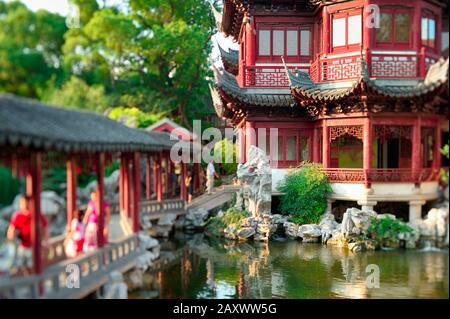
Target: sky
[(57, 6)]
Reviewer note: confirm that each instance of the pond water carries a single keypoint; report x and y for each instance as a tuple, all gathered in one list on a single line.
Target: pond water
[(202, 267)]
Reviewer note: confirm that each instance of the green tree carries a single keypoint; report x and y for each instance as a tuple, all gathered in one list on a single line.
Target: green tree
[(30, 48), (75, 93), (157, 46)]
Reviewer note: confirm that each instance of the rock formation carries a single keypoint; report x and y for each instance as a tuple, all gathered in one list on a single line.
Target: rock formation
[(256, 177)]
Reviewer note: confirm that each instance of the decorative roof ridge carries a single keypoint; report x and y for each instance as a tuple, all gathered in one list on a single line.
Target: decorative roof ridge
[(232, 56), (437, 75), (218, 17), (227, 85)]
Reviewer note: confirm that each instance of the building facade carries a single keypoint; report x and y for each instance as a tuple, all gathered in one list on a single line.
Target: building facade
[(360, 86)]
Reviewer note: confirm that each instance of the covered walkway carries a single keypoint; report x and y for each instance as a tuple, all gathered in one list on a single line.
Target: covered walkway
[(35, 136)]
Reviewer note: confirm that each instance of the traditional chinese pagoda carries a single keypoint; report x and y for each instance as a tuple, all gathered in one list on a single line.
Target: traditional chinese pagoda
[(360, 86)]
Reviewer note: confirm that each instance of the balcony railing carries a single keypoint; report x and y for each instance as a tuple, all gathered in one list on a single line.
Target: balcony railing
[(268, 76), (381, 64), (381, 175)]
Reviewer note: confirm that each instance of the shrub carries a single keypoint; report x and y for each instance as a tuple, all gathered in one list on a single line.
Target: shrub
[(231, 217), (387, 230), (221, 149), (305, 191)]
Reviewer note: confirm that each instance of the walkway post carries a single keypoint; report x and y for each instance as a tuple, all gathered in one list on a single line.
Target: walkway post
[(71, 189), (169, 176), (126, 186), (121, 206), (183, 192), (137, 190), (100, 171), (33, 181), (159, 195), (196, 177), (148, 178), (155, 174)]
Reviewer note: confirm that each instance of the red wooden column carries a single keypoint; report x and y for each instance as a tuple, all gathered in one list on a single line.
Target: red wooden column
[(121, 184), (100, 171), (148, 178), (250, 42), (416, 158), (137, 190), (437, 147), (166, 173), (71, 181), (325, 145), (155, 174), (316, 144), (183, 192), (196, 177), (33, 186), (158, 175), (367, 149), (326, 31), (171, 181), (126, 186)]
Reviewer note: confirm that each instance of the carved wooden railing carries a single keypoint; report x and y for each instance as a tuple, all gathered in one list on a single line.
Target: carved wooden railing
[(381, 64), (58, 280), (268, 76), (381, 175)]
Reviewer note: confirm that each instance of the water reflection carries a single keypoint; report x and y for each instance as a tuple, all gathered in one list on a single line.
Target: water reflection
[(208, 268)]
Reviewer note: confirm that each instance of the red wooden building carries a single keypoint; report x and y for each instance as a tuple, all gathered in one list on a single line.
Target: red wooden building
[(368, 100)]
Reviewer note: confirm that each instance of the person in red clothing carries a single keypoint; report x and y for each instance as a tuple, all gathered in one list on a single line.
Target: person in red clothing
[(20, 226)]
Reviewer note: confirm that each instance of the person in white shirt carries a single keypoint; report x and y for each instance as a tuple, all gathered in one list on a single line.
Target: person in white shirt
[(210, 173)]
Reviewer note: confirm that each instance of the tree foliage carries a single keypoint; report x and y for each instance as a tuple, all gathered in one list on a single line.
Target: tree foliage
[(305, 191), (146, 54)]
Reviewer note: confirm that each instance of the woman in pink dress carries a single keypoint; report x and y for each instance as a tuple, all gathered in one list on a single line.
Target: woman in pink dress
[(91, 222)]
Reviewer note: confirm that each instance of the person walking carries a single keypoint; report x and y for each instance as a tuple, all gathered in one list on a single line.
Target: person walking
[(20, 227), (210, 174), (91, 221)]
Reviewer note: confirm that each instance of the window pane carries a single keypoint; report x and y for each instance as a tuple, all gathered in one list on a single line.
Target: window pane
[(264, 42), (354, 29), (304, 42), (280, 148), (424, 31), (291, 148), (278, 42), (384, 31), (292, 42), (445, 40), (304, 148), (431, 32), (402, 28), (338, 32)]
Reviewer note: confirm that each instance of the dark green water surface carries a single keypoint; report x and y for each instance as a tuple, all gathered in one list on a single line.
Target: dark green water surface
[(201, 267)]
